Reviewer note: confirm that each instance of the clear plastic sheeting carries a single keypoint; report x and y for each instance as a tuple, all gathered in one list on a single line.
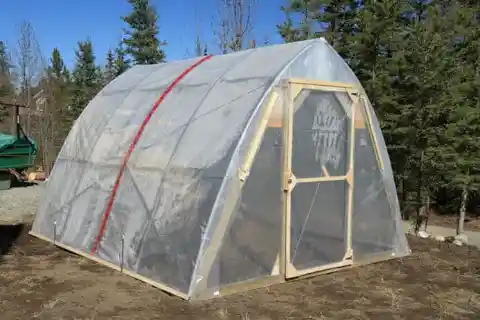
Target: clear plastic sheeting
[(201, 203)]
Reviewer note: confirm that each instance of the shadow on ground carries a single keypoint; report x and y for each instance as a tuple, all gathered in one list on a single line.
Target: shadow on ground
[(8, 236), (22, 184)]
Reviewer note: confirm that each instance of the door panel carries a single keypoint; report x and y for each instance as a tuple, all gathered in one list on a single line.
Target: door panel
[(318, 224), (319, 191), (320, 135)]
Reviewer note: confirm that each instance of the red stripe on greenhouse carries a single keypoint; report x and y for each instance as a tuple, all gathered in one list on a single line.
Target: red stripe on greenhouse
[(137, 137)]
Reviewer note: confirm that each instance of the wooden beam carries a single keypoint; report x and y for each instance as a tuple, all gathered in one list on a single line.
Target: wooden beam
[(240, 287), (14, 105), (351, 181), (258, 138), (321, 83), (294, 273), (372, 133)]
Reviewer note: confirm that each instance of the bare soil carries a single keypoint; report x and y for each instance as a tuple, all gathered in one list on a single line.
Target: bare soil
[(439, 281)]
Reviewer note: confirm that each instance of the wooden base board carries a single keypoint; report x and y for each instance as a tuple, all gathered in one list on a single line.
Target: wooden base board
[(156, 284), (240, 287), (321, 272), (376, 258)]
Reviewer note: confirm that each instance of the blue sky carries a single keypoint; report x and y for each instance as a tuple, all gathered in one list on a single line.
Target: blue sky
[(62, 23)]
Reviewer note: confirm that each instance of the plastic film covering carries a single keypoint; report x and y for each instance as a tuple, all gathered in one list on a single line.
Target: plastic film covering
[(173, 176), (183, 216), (377, 226), (251, 245)]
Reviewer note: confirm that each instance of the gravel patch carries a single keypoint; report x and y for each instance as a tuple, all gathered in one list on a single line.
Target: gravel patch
[(19, 204)]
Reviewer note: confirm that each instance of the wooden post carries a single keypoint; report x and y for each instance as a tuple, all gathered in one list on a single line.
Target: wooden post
[(16, 129)]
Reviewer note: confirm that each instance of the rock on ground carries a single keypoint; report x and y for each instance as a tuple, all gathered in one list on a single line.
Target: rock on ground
[(462, 238), (457, 242), (423, 234), (19, 204)]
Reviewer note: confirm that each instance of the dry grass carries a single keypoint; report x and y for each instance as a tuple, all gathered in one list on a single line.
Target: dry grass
[(439, 281)]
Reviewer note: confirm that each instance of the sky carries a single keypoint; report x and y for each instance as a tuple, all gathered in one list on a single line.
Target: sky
[(62, 23)]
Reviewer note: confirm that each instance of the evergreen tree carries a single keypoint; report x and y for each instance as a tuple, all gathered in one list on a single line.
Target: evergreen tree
[(461, 152), (109, 72), (416, 121), (141, 40), (57, 64), (59, 70), (57, 90), (419, 63), (86, 81), (332, 19), (376, 58), (5, 71), (121, 62), (6, 86)]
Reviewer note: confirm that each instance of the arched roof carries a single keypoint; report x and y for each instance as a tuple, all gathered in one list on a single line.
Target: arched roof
[(214, 101)]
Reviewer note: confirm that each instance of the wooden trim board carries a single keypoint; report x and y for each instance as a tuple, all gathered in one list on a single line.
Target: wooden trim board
[(240, 287), (321, 83)]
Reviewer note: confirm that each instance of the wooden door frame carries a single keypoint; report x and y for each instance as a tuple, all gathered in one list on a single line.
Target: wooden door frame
[(294, 88)]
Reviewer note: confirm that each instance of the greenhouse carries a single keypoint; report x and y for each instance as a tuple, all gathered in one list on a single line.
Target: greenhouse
[(219, 174)]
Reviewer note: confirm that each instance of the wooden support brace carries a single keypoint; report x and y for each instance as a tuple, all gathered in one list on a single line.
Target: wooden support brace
[(376, 146)]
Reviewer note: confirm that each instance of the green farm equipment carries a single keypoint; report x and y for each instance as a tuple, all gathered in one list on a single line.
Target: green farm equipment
[(17, 152)]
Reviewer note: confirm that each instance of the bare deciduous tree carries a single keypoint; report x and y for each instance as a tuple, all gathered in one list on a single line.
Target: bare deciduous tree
[(234, 25), (28, 65), (38, 91)]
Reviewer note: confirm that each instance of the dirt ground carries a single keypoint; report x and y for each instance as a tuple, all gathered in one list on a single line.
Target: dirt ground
[(439, 281)]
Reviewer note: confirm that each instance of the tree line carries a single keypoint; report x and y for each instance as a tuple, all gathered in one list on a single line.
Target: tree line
[(418, 60)]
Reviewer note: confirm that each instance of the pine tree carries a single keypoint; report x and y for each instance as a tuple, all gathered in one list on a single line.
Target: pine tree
[(57, 63), (375, 57), (418, 111), (332, 19), (122, 64), (141, 40), (59, 70), (461, 151), (6, 86), (86, 81), (5, 71), (56, 120), (109, 73), (59, 73)]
